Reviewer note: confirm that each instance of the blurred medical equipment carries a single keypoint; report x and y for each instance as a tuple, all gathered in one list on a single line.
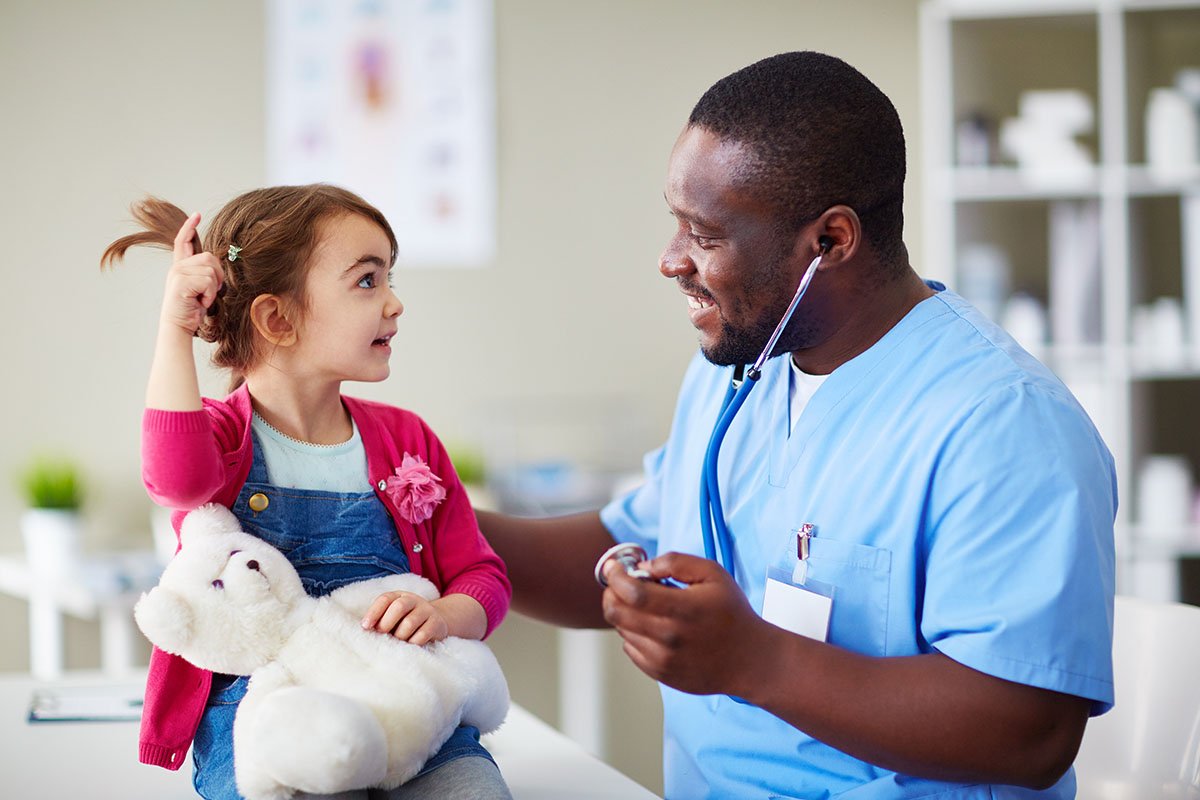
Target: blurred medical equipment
[(1042, 138)]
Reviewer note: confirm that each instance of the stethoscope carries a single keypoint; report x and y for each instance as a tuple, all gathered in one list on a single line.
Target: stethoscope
[(713, 527)]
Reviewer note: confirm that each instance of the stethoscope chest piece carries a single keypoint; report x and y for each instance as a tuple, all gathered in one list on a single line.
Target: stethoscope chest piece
[(628, 555)]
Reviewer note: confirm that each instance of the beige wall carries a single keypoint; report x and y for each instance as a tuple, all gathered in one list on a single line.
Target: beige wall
[(102, 102)]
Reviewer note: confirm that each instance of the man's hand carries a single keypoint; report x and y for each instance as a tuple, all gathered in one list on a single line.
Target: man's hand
[(696, 639)]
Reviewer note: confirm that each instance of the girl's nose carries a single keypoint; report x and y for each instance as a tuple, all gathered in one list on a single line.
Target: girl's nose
[(394, 307)]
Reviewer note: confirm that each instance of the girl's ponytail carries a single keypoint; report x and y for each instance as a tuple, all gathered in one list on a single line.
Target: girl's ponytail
[(161, 220)]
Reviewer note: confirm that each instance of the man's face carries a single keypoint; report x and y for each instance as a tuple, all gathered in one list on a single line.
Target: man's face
[(737, 269)]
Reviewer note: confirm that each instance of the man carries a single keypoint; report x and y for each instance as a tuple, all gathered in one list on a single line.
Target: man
[(904, 456)]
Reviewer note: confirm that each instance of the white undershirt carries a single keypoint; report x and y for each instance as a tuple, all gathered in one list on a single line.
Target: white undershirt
[(294, 464), (801, 388)]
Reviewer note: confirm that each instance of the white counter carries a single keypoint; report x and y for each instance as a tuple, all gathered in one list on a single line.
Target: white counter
[(98, 760)]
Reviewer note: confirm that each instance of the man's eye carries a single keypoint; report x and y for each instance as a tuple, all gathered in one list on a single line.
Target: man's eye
[(705, 242), (367, 281)]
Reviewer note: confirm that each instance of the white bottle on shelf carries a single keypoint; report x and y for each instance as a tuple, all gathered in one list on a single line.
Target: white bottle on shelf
[(1172, 134), (1164, 497)]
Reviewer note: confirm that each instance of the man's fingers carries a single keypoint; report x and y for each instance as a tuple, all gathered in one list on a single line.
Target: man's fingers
[(629, 589), (645, 653), (682, 567)]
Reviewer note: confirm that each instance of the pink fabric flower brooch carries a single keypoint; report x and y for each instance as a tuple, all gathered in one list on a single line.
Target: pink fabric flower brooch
[(415, 489)]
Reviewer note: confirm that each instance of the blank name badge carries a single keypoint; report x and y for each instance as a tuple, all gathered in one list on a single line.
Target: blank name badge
[(799, 608)]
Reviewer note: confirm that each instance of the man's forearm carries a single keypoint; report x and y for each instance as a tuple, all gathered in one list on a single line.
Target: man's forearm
[(921, 715), (550, 564)]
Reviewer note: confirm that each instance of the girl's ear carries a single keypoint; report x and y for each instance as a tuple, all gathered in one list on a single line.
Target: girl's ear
[(269, 315)]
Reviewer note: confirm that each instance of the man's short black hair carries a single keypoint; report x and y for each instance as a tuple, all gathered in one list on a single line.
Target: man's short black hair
[(821, 134)]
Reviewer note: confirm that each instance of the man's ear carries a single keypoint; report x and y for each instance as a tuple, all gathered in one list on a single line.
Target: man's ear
[(270, 316), (840, 228)]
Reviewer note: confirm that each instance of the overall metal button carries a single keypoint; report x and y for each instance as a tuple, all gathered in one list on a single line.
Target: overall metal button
[(259, 502)]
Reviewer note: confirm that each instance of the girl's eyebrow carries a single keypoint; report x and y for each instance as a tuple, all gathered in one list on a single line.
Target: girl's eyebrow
[(374, 261)]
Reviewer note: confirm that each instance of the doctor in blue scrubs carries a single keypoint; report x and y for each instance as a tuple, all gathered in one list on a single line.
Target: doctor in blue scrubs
[(921, 515)]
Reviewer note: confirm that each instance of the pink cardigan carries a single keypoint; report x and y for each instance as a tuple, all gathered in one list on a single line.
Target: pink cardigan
[(190, 458)]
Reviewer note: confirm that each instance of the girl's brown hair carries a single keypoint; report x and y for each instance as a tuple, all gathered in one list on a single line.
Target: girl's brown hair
[(277, 230)]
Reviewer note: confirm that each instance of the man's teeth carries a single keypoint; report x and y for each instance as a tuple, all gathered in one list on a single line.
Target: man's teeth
[(697, 302)]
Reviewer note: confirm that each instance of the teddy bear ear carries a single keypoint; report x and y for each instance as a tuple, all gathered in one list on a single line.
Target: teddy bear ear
[(165, 618), (208, 520)]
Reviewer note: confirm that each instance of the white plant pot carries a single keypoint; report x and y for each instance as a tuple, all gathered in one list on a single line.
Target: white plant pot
[(53, 542), (165, 540)]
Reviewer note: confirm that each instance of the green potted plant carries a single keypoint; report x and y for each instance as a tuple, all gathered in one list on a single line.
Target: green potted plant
[(470, 465), (50, 526)]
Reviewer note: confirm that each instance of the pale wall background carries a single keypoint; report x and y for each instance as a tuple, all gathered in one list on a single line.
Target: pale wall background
[(102, 102)]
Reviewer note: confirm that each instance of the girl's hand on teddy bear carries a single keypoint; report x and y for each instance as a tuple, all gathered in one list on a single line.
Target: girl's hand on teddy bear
[(409, 617)]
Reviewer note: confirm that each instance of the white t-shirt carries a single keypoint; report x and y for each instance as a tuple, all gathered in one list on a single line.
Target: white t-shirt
[(294, 464), (801, 388)]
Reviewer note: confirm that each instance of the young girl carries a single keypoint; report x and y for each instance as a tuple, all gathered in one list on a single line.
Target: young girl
[(292, 284)]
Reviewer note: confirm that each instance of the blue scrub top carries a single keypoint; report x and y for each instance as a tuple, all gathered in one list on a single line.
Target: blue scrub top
[(963, 502)]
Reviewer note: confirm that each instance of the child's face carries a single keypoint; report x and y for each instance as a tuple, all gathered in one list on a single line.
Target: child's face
[(345, 332)]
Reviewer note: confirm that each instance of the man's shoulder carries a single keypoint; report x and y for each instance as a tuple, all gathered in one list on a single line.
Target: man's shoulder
[(967, 350)]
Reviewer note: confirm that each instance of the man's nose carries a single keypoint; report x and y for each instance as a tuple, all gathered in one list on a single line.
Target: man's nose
[(674, 260)]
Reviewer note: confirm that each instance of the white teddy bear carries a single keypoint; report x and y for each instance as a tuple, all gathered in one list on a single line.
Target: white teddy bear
[(330, 706)]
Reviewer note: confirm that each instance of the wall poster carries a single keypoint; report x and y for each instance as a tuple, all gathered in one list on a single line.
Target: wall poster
[(394, 100)]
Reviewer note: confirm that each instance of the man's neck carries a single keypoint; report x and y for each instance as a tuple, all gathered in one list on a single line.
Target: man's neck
[(870, 318)]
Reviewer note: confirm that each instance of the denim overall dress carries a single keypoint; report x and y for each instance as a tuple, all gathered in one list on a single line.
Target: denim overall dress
[(332, 539)]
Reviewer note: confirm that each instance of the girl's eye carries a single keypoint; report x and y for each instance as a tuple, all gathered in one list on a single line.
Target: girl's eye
[(367, 281)]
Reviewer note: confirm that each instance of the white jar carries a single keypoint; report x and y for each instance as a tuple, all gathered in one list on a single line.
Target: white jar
[(1172, 133), (1164, 497)]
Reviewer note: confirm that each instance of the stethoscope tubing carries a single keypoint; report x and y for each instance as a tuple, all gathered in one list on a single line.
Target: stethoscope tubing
[(712, 514), (713, 528)]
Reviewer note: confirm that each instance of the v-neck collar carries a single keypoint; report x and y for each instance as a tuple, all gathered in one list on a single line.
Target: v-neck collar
[(786, 450)]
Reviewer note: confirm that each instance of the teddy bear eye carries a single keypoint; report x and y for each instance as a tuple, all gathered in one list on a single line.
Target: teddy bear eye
[(218, 584)]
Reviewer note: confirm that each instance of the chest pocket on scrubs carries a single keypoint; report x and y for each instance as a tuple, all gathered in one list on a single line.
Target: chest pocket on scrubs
[(861, 576)]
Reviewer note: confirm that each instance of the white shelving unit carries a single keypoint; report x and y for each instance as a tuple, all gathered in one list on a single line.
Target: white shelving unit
[(978, 57)]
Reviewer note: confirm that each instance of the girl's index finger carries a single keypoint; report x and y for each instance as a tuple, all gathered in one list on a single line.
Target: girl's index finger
[(187, 241)]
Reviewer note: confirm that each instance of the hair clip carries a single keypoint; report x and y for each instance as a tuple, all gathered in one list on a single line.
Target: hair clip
[(234, 252)]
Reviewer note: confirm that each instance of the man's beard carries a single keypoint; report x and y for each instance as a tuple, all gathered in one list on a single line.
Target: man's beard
[(743, 344)]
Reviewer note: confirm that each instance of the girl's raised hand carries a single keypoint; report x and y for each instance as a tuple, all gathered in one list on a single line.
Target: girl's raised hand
[(193, 281)]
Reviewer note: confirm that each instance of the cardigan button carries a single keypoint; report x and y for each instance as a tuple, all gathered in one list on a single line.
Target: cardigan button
[(382, 485), (418, 547)]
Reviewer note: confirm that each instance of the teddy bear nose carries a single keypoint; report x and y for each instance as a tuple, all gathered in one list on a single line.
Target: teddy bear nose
[(252, 564)]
